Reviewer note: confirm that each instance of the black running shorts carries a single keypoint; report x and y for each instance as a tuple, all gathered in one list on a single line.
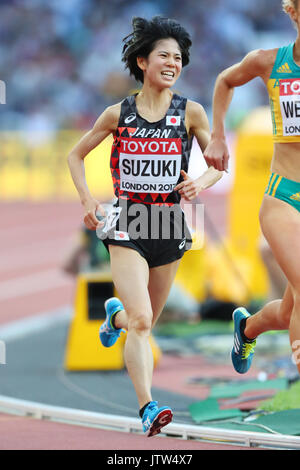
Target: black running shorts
[(158, 233)]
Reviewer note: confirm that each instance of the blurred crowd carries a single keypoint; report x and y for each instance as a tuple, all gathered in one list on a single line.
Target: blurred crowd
[(61, 60)]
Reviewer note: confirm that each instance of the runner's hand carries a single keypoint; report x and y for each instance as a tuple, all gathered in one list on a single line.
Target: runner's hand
[(188, 188), (216, 154), (91, 207)]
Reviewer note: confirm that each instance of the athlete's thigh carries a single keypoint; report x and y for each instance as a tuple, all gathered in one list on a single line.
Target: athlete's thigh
[(160, 283), (280, 224), (130, 273)]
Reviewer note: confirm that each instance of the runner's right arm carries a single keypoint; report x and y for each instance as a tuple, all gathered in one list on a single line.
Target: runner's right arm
[(253, 65), (106, 124)]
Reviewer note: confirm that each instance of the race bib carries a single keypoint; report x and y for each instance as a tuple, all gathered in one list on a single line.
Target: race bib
[(289, 95), (150, 165)]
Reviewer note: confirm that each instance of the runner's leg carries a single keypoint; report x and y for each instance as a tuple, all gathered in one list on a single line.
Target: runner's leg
[(160, 283), (130, 274), (285, 245), (275, 315)]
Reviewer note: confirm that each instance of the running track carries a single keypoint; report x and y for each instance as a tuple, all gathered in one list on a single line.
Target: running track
[(34, 239)]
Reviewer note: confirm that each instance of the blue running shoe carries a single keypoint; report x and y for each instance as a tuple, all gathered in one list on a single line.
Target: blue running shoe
[(242, 352), (108, 334), (155, 418)]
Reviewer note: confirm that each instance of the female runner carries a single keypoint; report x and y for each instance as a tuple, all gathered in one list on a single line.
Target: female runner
[(146, 232), (279, 214)]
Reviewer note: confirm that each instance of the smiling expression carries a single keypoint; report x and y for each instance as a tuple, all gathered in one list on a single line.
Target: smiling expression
[(163, 65)]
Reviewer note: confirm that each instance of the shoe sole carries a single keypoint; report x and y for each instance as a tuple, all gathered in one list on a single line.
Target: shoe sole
[(161, 420)]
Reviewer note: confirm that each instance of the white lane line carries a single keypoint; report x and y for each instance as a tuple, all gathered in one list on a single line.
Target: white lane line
[(28, 326), (134, 425)]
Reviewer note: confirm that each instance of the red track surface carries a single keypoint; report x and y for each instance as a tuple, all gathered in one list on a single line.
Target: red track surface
[(34, 239), (26, 433)]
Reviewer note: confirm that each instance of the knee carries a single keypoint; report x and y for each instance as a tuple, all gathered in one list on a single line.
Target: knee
[(141, 324)]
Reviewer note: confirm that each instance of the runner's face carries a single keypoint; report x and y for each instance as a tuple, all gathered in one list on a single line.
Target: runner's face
[(164, 64)]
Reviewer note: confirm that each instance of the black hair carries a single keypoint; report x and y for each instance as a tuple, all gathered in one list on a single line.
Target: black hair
[(141, 42)]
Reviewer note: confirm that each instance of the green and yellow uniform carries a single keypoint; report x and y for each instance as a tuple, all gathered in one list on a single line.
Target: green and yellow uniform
[(284, 92)]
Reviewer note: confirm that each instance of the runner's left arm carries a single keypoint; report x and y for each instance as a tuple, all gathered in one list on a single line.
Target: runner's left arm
[(198, 125)]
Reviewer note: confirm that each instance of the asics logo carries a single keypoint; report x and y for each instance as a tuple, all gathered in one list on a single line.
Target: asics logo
[(105, 328), (147, 423), (182, 244), (130, 118)]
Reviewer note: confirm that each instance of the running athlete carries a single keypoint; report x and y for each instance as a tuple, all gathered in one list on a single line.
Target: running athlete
[(153, 133), (279, 213)]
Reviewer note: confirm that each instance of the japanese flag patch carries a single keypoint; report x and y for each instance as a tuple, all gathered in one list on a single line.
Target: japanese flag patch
[(173, 120), (121, 235)]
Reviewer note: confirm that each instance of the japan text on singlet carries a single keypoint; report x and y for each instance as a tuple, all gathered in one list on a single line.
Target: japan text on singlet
[(147, 158), (284, 92)]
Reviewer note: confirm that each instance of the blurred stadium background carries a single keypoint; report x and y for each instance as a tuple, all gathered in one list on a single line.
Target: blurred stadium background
[(61, 61), (61, 65)]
